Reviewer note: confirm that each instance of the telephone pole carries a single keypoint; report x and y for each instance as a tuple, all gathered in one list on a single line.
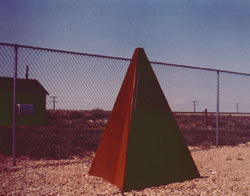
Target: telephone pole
[(195, 104), (54, 102), (237, 107)]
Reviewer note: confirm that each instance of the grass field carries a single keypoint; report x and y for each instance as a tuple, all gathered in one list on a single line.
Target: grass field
[(77, 133)]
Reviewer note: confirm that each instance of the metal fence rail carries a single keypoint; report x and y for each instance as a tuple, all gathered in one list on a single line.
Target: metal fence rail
[(82, 88)]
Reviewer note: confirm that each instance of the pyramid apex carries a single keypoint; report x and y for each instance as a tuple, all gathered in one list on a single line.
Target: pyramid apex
[(139, 53), (139, 49)]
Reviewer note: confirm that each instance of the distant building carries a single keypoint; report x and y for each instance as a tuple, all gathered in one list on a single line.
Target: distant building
[(31, 101)]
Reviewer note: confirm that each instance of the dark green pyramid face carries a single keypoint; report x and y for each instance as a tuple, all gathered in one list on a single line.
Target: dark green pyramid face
[(142, 145), (157, 153)]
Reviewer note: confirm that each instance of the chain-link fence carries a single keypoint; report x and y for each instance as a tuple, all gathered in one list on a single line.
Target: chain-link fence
[(64, 99)]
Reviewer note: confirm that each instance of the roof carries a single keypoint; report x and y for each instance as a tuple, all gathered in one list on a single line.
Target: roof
[(23, 85)]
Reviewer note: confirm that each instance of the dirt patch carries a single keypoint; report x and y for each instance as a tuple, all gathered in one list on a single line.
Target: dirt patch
[(224, 171), (54, 159)]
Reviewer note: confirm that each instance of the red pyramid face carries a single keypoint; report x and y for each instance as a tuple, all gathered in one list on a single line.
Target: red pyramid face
[(142, 145), (110, 159)]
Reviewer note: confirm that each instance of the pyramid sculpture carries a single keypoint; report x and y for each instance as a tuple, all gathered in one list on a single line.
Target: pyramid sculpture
[(142, 145)]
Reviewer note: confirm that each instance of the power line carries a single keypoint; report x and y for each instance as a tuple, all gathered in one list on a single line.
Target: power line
[(195, 104), (237, 107), (54, 102)]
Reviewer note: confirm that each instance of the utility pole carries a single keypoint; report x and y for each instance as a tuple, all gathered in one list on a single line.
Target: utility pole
[(237, 107), (195, 104), (54, 102)]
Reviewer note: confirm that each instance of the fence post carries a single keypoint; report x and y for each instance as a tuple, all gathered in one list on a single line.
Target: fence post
[(218, 108), (14, 109), (205, 111)]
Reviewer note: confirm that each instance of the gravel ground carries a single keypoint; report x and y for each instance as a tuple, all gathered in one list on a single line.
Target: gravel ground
[(224, 170)]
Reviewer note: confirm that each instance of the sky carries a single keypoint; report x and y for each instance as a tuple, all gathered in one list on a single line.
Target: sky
[(205, 33)]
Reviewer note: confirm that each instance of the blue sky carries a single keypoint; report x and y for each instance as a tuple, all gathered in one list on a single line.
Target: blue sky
[(205, 33)]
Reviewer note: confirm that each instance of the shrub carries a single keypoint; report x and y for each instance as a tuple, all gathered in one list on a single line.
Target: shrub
[(100, 114), (76, 115)]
